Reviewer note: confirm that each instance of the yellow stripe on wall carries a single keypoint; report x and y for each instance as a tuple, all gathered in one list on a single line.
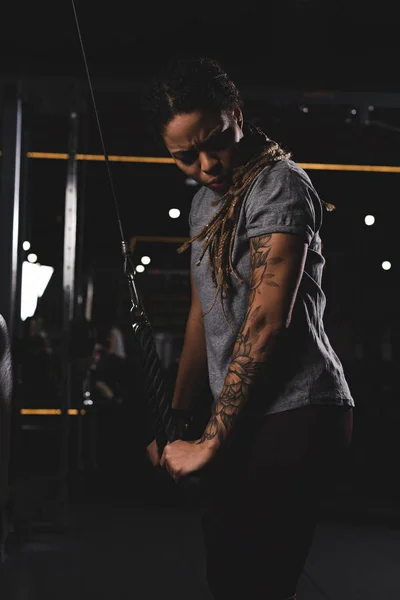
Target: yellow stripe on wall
[(165, 160), (50, 411)]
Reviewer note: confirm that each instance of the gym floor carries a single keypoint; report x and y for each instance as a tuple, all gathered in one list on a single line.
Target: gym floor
[(123, 541)]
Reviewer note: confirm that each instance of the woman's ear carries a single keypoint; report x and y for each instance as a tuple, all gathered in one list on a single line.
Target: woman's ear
[(239, 117)]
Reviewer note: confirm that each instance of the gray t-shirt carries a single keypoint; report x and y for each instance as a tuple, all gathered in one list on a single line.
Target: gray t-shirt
[(304, 369)]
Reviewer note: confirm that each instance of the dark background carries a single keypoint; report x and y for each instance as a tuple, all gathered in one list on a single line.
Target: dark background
[(294, 43), (332, 58), (284, 56)]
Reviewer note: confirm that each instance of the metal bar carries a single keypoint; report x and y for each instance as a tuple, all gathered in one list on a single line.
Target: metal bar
[(70, 228), (80, 243), (10, 207), (89, 297)]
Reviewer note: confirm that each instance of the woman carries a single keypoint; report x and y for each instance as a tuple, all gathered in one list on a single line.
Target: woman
[(282, 412)]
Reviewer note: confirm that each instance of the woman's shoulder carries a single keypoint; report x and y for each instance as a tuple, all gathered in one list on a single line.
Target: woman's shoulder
[(280, 178), (282, 190), (281, 170)]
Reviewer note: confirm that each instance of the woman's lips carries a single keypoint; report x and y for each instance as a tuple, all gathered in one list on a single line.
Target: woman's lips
[(217, 184)]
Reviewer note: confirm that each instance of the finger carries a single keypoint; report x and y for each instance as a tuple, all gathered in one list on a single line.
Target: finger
[(172, 471), (163, 457)]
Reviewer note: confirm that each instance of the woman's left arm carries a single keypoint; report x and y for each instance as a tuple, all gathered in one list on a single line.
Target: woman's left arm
[(276, 267)]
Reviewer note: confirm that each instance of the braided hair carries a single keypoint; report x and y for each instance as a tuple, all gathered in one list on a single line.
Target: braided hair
[(218, 235)]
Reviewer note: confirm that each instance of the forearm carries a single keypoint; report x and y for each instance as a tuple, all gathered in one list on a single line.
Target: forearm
[(249, 359), (192, 369), (276, 267)]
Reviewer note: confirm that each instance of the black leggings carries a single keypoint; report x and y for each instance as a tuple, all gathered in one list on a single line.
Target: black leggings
[(259, 525)]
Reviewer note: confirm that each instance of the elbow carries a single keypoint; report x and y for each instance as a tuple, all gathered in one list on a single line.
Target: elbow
[(270, 325)]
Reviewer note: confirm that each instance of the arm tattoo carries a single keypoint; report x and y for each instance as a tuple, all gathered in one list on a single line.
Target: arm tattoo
[(247, 360), (242, 371)]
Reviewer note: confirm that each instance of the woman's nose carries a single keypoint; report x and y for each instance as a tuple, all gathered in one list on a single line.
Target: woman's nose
[(209, 163)]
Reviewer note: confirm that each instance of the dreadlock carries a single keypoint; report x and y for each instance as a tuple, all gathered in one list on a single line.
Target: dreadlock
[(218, 235)]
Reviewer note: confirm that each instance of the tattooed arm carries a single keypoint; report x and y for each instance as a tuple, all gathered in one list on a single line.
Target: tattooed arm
[(276, 267)]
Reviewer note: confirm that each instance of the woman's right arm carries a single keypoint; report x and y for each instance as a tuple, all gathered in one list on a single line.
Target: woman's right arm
[(192, 370)]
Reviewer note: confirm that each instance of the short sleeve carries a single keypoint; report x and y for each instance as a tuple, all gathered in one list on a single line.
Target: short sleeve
[(282, 200)]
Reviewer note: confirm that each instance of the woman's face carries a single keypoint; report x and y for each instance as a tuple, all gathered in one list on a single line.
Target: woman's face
[(204, 146)]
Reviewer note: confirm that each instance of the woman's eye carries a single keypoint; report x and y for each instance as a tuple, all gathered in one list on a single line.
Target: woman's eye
[(189, 158)]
